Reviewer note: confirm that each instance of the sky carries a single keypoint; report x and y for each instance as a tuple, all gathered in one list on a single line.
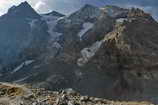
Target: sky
[(69, 6)]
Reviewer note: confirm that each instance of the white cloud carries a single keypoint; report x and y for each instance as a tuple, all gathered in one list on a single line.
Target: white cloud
[(6, 4), (1, 13), (38, 5)]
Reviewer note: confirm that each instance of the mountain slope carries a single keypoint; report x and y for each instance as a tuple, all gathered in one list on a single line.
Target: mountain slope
[(107, 52), (20, 31)]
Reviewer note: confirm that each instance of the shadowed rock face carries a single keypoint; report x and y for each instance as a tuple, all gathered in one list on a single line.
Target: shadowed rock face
[(109, 52), (126, 55), (21, 29)]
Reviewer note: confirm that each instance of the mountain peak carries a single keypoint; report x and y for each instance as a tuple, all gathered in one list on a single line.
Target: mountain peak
[(55, 13), (88, 6), (25, 3), (87, 12), (138, 13), (115, 11), (23, 10)]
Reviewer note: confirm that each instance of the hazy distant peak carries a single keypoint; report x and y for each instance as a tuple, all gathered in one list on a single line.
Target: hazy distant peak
[(55, 13)]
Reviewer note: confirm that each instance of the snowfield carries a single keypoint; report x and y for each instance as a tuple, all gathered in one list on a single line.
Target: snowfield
[(51, 22), (88, 53), (86, 27), (26, 63)]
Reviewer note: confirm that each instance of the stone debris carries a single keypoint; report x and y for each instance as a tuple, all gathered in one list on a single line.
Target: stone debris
[(20, 95)]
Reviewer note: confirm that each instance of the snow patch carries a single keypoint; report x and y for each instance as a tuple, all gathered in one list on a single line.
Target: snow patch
[(32, 23), (26, 63), (56, 45), (121, 20), (78, 74), (88, 53), (61, 18), (22, 79), (49, 17), (86, 27), (51, 22), (18, 68)]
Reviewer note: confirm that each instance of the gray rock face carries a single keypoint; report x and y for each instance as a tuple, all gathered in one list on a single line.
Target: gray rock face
[(115, 12), (87, 13), (124, 56), (20, 31)]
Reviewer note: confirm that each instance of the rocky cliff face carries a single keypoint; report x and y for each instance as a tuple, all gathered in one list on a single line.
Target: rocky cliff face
[(126, 55), (21, 29), (107, 52)]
